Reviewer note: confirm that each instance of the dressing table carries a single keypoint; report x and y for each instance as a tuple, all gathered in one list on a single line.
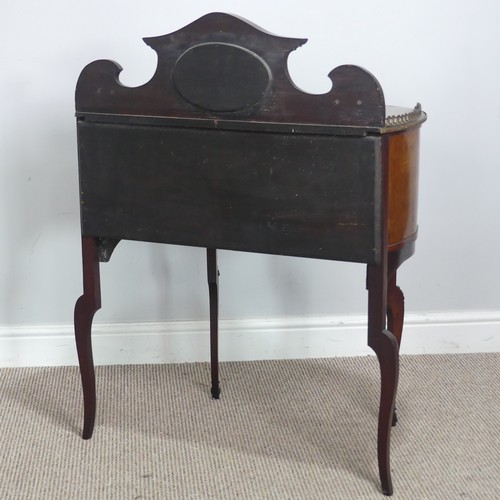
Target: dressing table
[(220, 150)]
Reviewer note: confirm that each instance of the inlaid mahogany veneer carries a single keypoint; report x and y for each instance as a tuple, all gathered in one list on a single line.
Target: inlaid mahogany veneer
[(220, 150)]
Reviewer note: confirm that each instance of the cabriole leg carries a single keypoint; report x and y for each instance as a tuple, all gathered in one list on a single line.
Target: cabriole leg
[(85, 308), (385, 346)]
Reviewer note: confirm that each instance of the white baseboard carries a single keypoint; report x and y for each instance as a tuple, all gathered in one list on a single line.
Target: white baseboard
[(250, 339)]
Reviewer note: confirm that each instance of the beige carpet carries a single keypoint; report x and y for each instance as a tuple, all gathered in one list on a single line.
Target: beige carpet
[(282, 430)]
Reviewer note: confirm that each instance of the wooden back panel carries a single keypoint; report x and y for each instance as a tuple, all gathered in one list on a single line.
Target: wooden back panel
[(221, 67), (274, 193), (221, 150)]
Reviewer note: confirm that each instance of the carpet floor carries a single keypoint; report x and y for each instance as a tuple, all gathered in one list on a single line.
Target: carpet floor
[(301, 429)]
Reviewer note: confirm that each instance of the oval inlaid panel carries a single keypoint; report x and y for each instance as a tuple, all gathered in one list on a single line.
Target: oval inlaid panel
[(221, 77)]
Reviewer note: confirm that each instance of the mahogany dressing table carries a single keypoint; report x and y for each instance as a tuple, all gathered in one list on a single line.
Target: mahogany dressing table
[(220, 150)]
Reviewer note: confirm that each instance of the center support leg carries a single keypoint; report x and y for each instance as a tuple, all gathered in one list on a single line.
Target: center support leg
[(213, 291), (85, 308), (386, 348)]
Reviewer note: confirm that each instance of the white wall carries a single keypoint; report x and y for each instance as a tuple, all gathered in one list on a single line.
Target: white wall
[(445, 55)]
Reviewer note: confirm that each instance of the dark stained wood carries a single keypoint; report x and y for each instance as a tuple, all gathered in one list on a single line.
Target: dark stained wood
[(385, 346), (106, 248), (220, 150), (403, 187), (395, 298), (395, 306), (356, 98), (381, 340), (85, 308)]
